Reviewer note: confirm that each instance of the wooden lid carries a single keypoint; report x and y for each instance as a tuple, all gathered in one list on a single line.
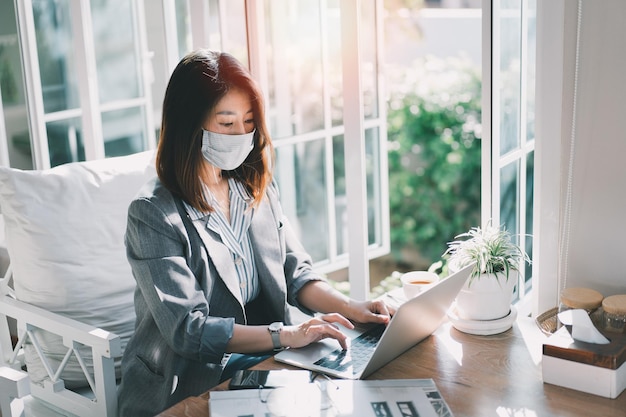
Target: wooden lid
[(615, 304), (584, 298)]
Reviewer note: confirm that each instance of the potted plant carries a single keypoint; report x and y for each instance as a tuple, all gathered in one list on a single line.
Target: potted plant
[(488, 292)]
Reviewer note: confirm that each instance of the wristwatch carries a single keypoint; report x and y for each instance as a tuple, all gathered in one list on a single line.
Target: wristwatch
[(275, 329)]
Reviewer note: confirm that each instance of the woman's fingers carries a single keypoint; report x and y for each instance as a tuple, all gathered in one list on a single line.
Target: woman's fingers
[(318, 328), (370, 311), (381, 308), (318, 332), (326, 325), (337, 318)]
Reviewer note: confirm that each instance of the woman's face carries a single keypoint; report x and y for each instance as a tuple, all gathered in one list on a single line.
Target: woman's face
[(232, 115)]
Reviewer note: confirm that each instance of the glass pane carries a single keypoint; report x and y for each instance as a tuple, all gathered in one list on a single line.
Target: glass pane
[(433, 88), (301, 175), (233, 34), (183, 27), (510, 82), (530, 179), (296, 100), (341, 202), (369, 71), (509, 197), (530, 66), (12, 91), (213, 26), (229, 37), (335, 67), (116, 49), (123, 131), (372, 172), (56, 55), (65, 141), (530, 129)]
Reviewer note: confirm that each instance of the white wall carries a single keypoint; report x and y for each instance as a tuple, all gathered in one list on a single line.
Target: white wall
[(595, 254)]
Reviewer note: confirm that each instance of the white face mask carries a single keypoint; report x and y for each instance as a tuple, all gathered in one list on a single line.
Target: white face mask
[(226, 152)]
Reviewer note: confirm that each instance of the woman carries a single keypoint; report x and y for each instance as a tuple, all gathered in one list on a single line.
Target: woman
[(215, 260)]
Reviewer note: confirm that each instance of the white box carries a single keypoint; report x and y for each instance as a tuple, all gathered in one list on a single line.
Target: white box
[(595, 369)]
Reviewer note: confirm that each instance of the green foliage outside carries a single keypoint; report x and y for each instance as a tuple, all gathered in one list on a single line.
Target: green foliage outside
[(434, 155)]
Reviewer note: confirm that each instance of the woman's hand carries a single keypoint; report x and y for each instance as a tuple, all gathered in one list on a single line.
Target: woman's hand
[(374, 311), (323, 326), (319, 296), (316, 329)]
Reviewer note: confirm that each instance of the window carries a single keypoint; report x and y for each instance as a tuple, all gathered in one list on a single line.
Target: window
[(95, 74), (295, 50), (308, 117), (88, 94), (14, 135), (509, 143)]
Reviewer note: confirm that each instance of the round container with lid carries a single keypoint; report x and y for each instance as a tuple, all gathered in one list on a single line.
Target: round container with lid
[(580, 298), (614, 315), (584, 298)]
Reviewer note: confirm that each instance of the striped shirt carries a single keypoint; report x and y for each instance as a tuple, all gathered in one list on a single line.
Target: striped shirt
[(235, 235)]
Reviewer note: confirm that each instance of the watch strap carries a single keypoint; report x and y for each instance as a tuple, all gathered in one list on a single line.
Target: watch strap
[(276, 340), (275, 329)]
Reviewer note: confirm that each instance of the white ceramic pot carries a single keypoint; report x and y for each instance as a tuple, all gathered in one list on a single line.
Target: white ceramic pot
[(487, 298)]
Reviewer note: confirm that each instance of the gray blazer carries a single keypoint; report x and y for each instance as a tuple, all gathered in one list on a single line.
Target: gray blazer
[(187, 298)]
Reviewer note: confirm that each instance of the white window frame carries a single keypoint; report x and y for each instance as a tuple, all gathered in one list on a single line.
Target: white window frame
[(549, 99), (491, 160), (4, 140), (359, 252), (354, 128), (354, 143), (550, 78), (32, 77), (90, 110)]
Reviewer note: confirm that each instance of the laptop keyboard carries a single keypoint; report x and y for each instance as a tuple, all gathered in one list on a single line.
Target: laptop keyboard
[(357, 355)]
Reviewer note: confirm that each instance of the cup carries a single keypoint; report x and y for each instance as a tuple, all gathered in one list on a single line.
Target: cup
[(415, 282)]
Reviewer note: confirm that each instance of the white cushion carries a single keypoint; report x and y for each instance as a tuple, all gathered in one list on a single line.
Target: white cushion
[(65, 236)]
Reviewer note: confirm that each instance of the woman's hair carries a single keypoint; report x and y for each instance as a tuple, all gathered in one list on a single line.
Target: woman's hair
[(197, 84)]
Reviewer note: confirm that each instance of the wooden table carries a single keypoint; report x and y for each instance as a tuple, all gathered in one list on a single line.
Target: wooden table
[(479, 376)]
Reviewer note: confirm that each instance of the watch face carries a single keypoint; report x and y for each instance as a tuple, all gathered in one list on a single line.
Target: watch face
[(275, 327)]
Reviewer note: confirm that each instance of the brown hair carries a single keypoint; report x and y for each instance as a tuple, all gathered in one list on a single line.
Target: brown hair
[(197, 84)]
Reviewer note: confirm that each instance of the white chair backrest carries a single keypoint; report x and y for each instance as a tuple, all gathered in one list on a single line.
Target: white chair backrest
[(64, 231)]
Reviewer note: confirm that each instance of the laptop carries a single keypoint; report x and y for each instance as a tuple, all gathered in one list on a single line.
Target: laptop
[(415, 320)]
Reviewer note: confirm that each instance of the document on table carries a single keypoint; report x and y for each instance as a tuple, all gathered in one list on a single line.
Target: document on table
[(335, 398)]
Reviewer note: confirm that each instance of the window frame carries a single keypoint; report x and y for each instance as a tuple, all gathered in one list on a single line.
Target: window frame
[(359, 252), (90, 110), (492, 161), (549, 87), (354, 126)]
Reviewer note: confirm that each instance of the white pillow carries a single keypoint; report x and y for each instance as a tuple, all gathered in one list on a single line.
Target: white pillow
[(65, 236)]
